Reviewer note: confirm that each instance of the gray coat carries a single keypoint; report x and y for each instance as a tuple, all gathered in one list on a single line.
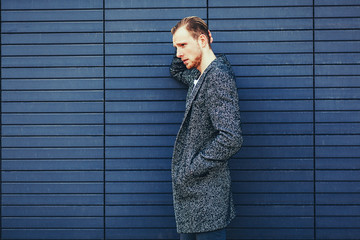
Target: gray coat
[(209, 135)]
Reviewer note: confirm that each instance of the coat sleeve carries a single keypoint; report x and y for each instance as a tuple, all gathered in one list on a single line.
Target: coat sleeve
[(180, 73), (223, 108)]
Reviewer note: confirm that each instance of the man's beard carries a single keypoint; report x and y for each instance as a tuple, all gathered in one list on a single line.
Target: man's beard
[(196, 63)]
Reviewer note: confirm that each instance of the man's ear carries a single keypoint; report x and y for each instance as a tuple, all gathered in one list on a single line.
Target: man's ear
[(203, 40), (211, 38)]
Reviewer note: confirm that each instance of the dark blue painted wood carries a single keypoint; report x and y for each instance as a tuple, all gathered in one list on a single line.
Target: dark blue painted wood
[(90, 115)]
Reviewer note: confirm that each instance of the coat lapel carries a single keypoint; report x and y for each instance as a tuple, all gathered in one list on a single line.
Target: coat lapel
[(195, 90)]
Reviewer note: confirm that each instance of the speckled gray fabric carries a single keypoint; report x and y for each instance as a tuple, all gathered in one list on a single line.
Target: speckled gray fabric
[(209, 135)]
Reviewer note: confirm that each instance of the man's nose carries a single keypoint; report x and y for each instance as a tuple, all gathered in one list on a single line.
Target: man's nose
[(178, 53)]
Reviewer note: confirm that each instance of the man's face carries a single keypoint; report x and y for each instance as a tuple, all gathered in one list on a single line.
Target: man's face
[(187, 48)]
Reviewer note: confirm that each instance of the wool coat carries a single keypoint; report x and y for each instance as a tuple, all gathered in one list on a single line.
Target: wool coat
[(209, 135)]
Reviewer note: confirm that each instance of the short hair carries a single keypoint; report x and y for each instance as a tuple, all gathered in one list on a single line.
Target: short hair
[(195, 25)]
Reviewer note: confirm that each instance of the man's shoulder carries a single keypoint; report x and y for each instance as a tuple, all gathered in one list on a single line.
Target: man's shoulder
[(221, 67)]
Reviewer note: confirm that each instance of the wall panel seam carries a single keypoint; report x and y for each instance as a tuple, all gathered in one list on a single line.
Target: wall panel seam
[(314, 122)]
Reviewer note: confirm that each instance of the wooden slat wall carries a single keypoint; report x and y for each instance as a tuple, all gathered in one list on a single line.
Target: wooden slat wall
[(52, 116), (337, 93), (269, 44), (144, 109), (90, 115)]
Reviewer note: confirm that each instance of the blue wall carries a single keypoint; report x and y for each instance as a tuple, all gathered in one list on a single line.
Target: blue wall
[(89, 116)]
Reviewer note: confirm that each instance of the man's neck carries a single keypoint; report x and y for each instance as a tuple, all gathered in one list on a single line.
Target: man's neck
[(208, 57)]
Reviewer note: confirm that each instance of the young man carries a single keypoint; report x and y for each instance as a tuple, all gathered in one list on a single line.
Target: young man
[(209, 135)]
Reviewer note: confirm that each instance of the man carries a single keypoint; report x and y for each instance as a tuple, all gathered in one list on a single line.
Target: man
[(209, 135)]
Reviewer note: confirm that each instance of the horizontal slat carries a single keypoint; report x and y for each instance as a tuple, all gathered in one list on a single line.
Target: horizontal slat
[(153, 14), (273, 222), (273, 175), (17, 96), (251, 141), (337, 23), (138, 176), (334, 47), (338, 175), (337, 11), (274, 70), (143, 129), (335, 2), (64, 118), (277, 128), (48, 107), (52, 199), (54, 4), (276, 210), (335, 233), (146, 106), (52, 222), (143, 83), (52, 165), (137, 71), (51, 188), (140, 187), (140, 141), (52, 27), (281, 234), (140, 222), (327, 35), (275, 152), (74, 61), (45, 234), (52, 84), (260, 24), (142, 234), (51, 15), (338, 187), (338, 211), (337, 140), (139, 48), (338, 198), (260, 12), (262, 36), (338, 58), (146, 95), (139, 199), (270, 59), (264, 47), (238, 187), (52, 176), (337, 81), (337, 116), (338, 70), (276, 94), (157, 4), (144, 25), (259, 3), (273, 105), (272, 164), (139, 118), (50, 50), (251, 199), (47, 153), (338, 151), (52, 38), (274, 82), (338, 128), (82, 72), (338, 163), (57, 130), (139, 152), (338, 105)]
